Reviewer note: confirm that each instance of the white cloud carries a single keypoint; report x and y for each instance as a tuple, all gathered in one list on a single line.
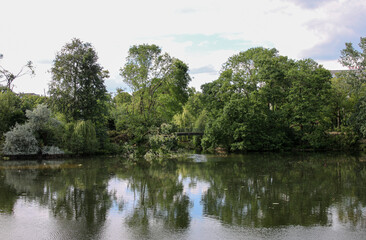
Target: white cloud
[(36, 30), (341, 22)]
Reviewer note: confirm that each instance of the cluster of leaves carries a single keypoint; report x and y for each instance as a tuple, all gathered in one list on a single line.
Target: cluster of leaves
[(163, 143), (80, 137), (193, 118), (159, 83), (10, 111)]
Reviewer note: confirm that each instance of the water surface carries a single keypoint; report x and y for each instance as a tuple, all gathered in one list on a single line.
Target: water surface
[(254, 196)]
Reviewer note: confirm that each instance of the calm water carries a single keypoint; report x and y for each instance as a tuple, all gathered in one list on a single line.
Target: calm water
[(258, 196)]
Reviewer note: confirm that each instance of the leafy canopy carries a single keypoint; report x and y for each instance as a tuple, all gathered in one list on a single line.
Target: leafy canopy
[(77, 88)]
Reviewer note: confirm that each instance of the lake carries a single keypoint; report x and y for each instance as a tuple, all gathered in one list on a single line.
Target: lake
[(252, 196)]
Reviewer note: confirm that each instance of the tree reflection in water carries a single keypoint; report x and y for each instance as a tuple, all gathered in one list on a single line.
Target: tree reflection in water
[(261, 191), (69, 191), (254, 190), (159, 198)]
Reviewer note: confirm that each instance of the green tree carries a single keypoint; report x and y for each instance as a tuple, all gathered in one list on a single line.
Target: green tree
[(184, 120), (31, 101), (122, 109), (342, 102), (10, 111), (356, 62), (83, 139), (158, 81), (308, 99), (355, 81), (246, 104), (77, 88), (264, 101)]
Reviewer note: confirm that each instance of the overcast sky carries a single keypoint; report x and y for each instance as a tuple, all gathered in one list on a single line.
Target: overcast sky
[(202, 33)]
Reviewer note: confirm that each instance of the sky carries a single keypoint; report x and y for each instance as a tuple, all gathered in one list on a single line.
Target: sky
[(202, 33)]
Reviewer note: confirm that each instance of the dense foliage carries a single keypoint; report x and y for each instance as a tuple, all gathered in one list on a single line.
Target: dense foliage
[(159, 85), (262, 101), (81, 137)]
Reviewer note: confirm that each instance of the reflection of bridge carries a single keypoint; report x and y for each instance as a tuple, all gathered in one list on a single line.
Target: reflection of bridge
[(189, 133)]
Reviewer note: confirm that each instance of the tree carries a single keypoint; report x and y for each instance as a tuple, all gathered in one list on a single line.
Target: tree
[(246, 104), (308, 102), (354, 84), (159, 83), (184, 120), (264, 101), (10, 77), (83, 138), (309, 93), (10, 111), (342, 102), (77, 88), (356, 62), (121, 109)]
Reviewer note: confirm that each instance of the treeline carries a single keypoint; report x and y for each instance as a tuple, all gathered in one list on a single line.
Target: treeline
[(262, 101)]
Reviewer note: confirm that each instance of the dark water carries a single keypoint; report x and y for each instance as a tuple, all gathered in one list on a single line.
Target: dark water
[(257, 196)]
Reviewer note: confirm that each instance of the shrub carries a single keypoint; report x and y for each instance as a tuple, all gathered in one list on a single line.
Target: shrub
[(20, 140), (29, 138)]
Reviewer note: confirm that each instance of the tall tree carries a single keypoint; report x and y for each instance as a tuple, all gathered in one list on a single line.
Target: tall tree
[(77, 88), (356, 62), (158, 81), (355, 79)]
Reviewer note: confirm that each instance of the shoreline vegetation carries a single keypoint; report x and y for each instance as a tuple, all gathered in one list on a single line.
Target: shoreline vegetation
[(261, 102)]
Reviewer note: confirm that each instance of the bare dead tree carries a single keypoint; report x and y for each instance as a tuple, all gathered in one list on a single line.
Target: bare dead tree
[(27, 69)]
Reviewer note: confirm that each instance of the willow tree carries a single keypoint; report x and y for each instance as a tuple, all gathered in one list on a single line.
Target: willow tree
[(77, 88)]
